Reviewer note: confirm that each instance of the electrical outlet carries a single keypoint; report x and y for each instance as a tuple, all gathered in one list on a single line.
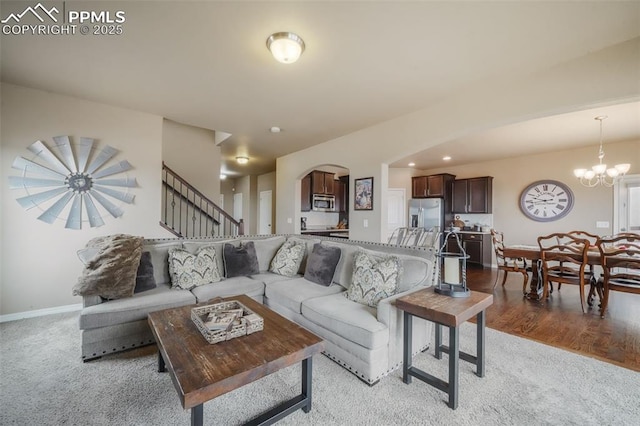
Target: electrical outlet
[(289, 220), (602, 224), (365, 223)]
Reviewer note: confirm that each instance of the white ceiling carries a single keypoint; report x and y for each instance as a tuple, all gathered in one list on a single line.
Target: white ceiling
[(206, 64)]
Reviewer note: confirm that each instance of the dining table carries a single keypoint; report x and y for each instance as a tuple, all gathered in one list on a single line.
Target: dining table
[(532, 253)]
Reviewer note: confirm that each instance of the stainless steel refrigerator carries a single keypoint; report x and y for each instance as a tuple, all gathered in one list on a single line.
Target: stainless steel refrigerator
[(426, 213)]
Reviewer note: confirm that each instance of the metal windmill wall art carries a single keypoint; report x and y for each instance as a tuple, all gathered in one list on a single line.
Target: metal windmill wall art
[(74, 179)]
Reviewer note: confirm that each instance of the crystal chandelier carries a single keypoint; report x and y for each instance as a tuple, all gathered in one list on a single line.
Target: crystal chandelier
[(599, 174)]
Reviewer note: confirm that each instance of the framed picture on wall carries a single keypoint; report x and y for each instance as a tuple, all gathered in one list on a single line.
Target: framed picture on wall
[(363, 194)]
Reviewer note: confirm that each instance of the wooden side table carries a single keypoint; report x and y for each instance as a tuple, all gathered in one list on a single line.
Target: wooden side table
[(450, 312)]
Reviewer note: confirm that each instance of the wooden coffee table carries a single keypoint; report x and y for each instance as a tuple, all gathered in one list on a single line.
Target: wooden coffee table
[(201, 371)]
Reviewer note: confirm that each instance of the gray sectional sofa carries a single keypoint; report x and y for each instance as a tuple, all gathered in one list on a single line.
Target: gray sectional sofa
[(365, 340)]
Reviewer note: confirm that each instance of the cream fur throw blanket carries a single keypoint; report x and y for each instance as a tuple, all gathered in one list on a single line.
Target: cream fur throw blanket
[(111, 273)]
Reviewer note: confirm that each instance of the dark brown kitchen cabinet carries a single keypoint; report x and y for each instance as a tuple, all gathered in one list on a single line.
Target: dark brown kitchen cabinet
[(474, 195), (322, 182), (432, 186), (341, 194), (305, 194), (476, 245)]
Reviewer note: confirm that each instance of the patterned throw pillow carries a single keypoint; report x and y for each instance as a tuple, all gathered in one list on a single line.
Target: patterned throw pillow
[(374, 278), (287, 260), (191, 270)]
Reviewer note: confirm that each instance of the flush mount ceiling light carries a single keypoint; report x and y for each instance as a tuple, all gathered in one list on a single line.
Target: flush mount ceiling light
[(285, 47), (411, 164), (223, 176), (242, 160), (446, 158), (275, 129), (600, 174)]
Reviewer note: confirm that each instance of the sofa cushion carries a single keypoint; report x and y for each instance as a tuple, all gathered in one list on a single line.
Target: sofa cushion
[(240, 261), (291, 293), (144, 278), (192, 270), (322, 263), (375, 277), (270, 277), (309, 242), (193, 246), (344, 270), (159, 251), (266, 249), (353, 321), (134, 308), (111, 273), (288, 258), (229, 287), (415, 270)]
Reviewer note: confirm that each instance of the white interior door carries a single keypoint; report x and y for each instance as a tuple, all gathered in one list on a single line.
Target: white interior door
[(265, 219), (237, 206), (397, 214)]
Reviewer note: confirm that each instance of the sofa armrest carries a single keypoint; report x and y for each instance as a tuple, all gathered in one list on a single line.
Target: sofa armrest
[(90, 301)]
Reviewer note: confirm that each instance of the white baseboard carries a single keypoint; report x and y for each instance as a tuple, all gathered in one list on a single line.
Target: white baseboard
[(40, 312)]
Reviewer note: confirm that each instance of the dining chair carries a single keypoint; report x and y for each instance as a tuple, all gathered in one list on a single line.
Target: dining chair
[(507, 264), (620, 258), (591, 276), (564, 261)]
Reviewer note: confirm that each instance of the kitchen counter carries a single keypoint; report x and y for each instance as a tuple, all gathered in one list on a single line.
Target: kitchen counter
[(328, 232)]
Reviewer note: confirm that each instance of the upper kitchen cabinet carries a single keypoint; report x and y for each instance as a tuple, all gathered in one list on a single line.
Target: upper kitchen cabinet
[(474, 195), (305, 194), (322, 182), (340, 192), (433, 186)]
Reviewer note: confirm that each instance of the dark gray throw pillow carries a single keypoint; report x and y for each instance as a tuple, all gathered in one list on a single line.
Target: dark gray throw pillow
[(240, 261), (144, 279), (322, 263)]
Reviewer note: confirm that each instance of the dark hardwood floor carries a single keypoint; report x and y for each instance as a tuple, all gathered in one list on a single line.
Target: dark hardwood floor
[(560, 322)]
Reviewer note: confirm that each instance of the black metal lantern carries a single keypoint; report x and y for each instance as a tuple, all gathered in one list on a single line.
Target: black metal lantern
[(452, 269)]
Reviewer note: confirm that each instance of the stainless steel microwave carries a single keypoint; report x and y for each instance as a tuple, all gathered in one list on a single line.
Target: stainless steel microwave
[(323, 203)]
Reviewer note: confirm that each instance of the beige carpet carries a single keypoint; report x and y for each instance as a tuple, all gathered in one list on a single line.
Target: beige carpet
[(43, 382)]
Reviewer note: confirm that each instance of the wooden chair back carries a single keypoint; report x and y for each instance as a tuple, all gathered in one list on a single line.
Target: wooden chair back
[(564, 259), (620, 257)]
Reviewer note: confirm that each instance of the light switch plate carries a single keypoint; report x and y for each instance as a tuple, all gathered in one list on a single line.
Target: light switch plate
[(602, 224), (365, 223), (289, 220)]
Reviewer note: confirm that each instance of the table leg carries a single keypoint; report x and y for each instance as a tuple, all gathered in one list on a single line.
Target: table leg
[(307, 368), (537, 285), (161, 366), (454, 355), (438, 341), (406, 356), (480, 336), (196, 416)]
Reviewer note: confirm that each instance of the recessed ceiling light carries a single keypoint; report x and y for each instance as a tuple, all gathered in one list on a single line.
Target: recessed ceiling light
[(446, 158), (242, 160), (412, 164), (275, 129)]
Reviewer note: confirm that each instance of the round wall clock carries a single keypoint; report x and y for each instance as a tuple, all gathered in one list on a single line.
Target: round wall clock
[(546, 200), (76, 176)]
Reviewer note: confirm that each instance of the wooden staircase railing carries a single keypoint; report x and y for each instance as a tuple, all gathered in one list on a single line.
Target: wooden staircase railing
[(186, 212)]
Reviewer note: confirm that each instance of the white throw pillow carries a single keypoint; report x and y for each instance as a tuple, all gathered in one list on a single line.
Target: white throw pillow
[(374, 278), (192, 270), (288, 258)]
